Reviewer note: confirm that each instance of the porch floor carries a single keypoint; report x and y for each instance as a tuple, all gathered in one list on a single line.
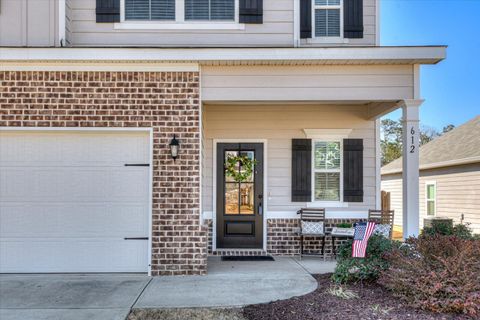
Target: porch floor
[(234, 284)]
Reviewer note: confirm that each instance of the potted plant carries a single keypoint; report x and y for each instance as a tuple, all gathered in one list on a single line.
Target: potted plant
[(343, 229)]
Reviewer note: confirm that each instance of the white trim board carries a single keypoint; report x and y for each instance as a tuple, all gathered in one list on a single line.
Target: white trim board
[(329, 214), (326, 55), (98, 66)]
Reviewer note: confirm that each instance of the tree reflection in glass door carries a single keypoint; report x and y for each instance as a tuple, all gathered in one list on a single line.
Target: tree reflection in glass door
[(239, 196)]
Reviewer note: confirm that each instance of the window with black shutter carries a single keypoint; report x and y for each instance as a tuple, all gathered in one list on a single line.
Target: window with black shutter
[(301, 170), (353, 170), (331, 19), (181, 11)]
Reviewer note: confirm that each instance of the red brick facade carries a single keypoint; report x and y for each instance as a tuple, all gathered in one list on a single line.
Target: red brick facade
[(168, 102), (283, 239)]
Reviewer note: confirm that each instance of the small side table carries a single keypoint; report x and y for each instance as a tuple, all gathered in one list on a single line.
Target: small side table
[(338, 233)]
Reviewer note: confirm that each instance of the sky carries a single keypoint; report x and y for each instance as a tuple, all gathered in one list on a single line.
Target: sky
[(451, 89)]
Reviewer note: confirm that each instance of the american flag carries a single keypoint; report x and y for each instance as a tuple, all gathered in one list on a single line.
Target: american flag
[(363, 231)]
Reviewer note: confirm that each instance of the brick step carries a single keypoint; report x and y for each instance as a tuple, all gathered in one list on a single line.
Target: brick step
[(239, 252)]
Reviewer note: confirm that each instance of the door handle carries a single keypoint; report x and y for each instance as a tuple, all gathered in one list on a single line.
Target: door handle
[(260, 209), (136, 238)]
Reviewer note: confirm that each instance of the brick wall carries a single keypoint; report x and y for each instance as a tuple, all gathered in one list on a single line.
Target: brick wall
[(283, 239), (168, 102)]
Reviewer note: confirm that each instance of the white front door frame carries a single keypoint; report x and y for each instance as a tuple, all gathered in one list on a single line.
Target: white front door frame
[(265, 182), (119, 129)]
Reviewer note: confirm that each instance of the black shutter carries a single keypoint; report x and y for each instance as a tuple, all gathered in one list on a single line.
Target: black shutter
[(353, 170), (305, 19), (108, 11), (353, 18), (301, 170), (251, 11)]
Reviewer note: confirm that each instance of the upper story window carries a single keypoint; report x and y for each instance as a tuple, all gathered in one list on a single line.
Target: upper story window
[(180, 10), (327, 170), (327, 18), (150, 10), (210, 10)]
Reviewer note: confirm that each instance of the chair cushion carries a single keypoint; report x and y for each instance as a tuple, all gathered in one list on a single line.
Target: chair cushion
[(312, 227), (383, 230)]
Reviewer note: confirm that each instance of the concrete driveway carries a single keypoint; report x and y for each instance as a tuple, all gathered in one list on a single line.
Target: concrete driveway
[(65, 297), (112, 296)]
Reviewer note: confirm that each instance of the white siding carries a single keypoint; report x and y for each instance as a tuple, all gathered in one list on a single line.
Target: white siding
[(458, 192), (278, 125), (28, 22), (307, 83)]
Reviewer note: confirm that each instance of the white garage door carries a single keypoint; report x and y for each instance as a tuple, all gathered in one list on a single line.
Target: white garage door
[(67, 201)]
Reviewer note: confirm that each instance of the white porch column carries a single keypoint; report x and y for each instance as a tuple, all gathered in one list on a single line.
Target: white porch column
[(410, 120)]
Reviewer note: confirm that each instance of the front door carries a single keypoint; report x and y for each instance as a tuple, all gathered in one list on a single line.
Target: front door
[(240, 195)]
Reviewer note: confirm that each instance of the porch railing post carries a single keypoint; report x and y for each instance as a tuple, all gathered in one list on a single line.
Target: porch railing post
[(411, 141)]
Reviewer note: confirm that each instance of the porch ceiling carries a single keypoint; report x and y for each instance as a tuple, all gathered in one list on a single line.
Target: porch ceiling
[(373, 109)]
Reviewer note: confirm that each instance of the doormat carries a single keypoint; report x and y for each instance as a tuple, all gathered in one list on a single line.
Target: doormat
[(247, 258)]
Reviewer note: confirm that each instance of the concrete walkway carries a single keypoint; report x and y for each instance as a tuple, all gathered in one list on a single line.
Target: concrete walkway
[(111, 296), (230, 284), (65, 297)]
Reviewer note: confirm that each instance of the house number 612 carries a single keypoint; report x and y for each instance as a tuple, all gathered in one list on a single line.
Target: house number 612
[(412, 146)]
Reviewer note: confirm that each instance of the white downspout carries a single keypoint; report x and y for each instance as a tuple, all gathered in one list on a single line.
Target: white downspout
[(296, 23), (61, 23)]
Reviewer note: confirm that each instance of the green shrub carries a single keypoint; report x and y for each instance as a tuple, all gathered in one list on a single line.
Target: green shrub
[(462, 231), (350, 269), (436, 273), (344, 225)]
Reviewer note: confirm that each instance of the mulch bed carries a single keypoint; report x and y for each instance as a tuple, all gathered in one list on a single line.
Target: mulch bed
[(373, 302)]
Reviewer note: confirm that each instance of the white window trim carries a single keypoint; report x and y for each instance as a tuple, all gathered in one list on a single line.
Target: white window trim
[(429, 183), (332, 40), (179, 23), (316, 203)]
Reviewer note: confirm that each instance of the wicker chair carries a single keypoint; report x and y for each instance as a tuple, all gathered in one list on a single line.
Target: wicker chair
[(382, 217), (312, 218)]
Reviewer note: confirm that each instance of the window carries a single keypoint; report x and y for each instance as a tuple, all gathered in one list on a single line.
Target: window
[(209, 9), (431, 198), (180, 10), (327, 170), (327, 18), (149, 9)]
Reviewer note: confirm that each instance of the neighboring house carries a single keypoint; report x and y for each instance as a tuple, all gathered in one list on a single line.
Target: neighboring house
[(449, 177), (88, 182)]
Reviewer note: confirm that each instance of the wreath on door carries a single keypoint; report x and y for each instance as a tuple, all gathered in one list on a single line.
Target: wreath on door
[(245, 163)]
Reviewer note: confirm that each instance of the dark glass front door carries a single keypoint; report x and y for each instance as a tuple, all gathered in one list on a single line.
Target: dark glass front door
[(239, 196)]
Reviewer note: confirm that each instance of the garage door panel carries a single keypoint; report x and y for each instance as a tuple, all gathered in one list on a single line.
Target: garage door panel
[(67, 201), (73, 149), (75, 220), (73, 184), (53, 255)]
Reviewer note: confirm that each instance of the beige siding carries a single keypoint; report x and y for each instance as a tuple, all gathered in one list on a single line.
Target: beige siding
[(277, 30), (458, 192), (28, 22), (307, 83), (278, 125), (393, 184)]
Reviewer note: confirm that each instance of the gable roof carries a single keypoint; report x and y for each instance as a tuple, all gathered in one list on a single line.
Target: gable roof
[(459, 146)]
